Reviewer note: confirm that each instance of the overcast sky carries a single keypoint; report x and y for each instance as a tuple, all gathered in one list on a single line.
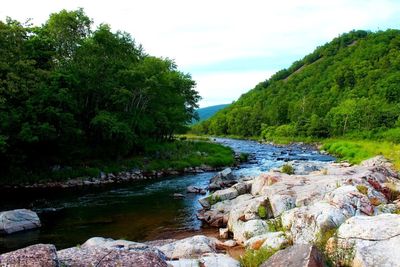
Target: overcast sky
[(227, 46)]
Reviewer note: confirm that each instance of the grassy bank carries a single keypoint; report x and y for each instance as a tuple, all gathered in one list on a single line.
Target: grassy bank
[(356, 151), (176, 155), (347, 148)]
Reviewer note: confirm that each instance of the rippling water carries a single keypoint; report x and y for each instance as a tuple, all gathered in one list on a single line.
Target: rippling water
[(140, 211)]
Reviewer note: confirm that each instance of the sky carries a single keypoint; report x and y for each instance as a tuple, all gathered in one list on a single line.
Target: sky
[(228, 46)]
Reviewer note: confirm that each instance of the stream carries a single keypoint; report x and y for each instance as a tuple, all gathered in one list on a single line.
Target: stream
[(139, 211)]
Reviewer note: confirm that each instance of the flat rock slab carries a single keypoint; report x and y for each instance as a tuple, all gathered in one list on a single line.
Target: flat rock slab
[(102, 257), (40, 255), (374, 241), (12, 221), (191, 247), (296, 256)]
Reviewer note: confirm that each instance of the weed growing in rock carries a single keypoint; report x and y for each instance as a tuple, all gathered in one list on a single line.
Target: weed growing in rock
[(362, 189), (335, 255), (254, 258), (275, 225), (262, 212), (288, 169), (213, 199)]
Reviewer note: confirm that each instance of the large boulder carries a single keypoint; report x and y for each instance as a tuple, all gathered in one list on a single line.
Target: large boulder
[(222, 179), (111, 244), (40, 255), (370, 241), (191, 247), (296, 256), (101, 256), (18, 220), (225, 194), (218, 215), (349, 198), (307, 222)]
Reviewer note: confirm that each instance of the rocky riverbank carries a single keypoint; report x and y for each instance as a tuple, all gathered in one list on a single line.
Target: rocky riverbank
[(118, 178), (333, 212), (350, 213)]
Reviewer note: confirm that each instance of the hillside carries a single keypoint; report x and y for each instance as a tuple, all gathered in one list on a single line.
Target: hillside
[(347, 87), (208, 112)]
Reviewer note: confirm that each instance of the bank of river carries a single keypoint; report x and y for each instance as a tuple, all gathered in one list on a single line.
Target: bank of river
[(144, 210)]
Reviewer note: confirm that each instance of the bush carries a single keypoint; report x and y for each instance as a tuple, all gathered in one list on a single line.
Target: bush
[(288, 169), (254, 258), (392, 135)]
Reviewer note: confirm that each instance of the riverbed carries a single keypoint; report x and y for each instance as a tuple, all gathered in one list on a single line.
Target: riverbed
[(139, 211)]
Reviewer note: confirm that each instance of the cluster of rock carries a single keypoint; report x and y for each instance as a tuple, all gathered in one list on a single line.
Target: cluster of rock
[(97, 251), (114, 178), (356, 206)]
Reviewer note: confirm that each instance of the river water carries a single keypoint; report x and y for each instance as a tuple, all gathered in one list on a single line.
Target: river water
[(139, 211)]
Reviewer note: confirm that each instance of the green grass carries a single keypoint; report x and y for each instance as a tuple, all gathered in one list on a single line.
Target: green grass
[(288, 169), (254, 258), (356, 151), (176, 155)]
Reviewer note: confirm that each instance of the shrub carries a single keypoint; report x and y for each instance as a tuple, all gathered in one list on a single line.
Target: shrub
[(362, 189), (288, 169), (254, 258), (262, 212)]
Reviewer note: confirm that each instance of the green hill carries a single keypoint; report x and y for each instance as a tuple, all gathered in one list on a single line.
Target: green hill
[(207, 112), (347, 87)]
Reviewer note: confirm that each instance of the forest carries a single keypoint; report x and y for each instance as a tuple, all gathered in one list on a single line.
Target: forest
[(70, 93), (349, 87)]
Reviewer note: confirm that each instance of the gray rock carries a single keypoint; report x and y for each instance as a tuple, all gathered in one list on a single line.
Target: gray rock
[(296, 256), (18, 220), (40, 255), (225, 194), (205, 202)]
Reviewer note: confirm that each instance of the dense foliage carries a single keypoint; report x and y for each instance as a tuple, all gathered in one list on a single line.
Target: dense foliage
[(348, 87), (70, 93)]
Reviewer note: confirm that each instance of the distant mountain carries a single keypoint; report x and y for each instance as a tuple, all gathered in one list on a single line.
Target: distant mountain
[(208, 112), (349, 86)]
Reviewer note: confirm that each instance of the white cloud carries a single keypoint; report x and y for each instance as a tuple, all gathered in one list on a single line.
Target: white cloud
[(225, 87), (205, 32)]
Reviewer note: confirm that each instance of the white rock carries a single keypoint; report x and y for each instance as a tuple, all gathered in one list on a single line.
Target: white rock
[(243, 231), (218, 260), (375, 239), (281, 203), (191, 247), (275, 240), (184, 263), (305, 223)]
